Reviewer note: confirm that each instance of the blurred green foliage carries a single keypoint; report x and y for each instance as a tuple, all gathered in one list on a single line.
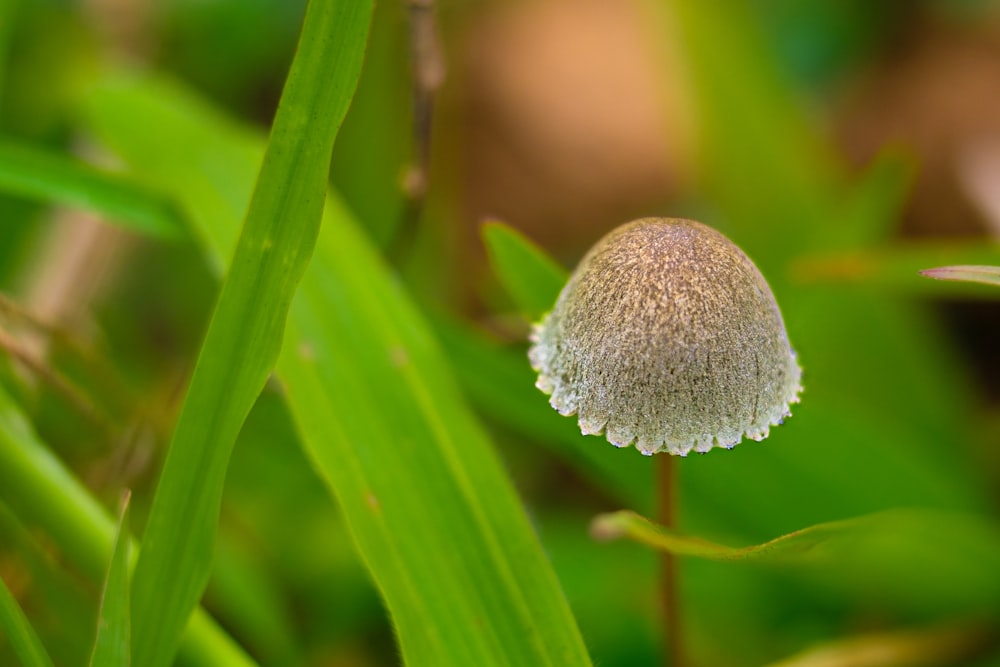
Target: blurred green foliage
[(890, 416)]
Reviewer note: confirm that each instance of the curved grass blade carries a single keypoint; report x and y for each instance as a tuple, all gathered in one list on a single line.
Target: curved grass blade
[(244, 336), (921, 560), (38, 174), (928, 647), (428, 503), (42, 492), (111, 647), (434, 515), (532, 278), (628, 524), (500, 384), (986, 275), (21, 636), (67, 608), (973, 542), (892, 267)]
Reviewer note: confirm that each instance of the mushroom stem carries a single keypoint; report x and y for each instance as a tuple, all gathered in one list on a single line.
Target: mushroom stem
[(669, 592)]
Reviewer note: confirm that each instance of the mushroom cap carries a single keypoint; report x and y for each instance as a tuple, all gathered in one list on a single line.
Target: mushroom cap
[(667, 336)]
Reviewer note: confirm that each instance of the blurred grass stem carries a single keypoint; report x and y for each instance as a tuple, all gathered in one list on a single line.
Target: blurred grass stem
[(666, 472), (428, 72), (73, 395)]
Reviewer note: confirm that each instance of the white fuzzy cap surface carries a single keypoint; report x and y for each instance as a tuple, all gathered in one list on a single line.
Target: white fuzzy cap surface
[(667, 337)]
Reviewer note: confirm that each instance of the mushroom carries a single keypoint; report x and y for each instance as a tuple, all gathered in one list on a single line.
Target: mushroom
[(667, 336)]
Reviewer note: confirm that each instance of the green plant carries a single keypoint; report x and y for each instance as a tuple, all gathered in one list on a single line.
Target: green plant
[(376, 478)]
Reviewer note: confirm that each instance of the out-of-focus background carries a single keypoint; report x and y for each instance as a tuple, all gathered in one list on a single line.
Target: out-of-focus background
[(844, 144)]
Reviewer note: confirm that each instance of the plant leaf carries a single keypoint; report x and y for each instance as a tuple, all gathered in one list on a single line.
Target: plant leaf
[(927, 647), (38, 174), (500, 384), (111, 647), (918, 560), (630, 525), (970, 541), (18, 631), (987, 275), (377, 134), (244, 336), (532, 279), (893, 266), (430, 508), (427, 501), (42, 492)]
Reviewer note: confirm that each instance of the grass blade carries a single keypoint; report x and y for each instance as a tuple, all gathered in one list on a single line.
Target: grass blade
[(427, 501), (872, 547), (68, 634), (42, 492), (920, 559), (244, 336), (500, 384), (894, 267), (111, 648), (38, 174), (927, 647), (532, 279), (986, 275), (23, 640), (630, 525)]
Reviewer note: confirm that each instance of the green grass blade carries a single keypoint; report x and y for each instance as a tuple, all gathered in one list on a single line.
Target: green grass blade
[(244, 336), (374, 144), (920, 559), (19, 633), (43, 493), (111, 647), (500, 384), (67, 615), (436, 519), (896, 267), (951, 644), (626, 524), (966, 542), (38, 174), (985, 275), (532, 279)]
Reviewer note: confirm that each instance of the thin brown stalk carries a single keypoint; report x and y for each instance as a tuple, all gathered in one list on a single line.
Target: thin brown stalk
[(428, 75), (669, 582), (428, 72)]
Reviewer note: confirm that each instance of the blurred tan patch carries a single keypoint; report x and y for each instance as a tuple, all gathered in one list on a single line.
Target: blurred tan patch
[(572, 124), (937, 92)]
